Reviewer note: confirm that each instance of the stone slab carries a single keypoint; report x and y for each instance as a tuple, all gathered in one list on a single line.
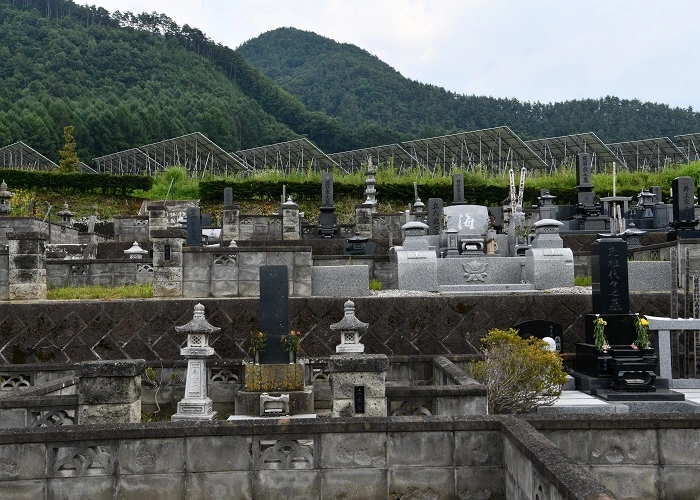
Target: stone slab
[(340, 281)]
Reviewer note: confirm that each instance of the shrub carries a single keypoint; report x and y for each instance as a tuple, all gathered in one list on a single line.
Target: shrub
[(519, 374), (583, 281), (375, 284)]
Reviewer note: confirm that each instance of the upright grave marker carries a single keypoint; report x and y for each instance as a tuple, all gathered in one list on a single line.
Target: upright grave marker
[(274, 312), (435, 207), (194, 227), (458, 189)]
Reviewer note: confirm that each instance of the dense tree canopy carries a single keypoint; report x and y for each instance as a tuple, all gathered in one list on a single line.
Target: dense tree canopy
[(354, 86)]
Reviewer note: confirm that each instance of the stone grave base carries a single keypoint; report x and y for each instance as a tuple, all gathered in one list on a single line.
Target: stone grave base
[(300, 402), (600, 387), (274, 377)]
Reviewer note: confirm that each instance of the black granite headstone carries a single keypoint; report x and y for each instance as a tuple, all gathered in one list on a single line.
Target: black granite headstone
[(610, 276), (206, 220), (228, 197), (434, 215), (274, 312), (683, 199), (583, 170), (458, 189), (541, 328), (327, 189), (194, 227)]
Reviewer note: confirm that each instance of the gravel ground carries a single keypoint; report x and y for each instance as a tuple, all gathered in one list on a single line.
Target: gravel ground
[(578, 290)]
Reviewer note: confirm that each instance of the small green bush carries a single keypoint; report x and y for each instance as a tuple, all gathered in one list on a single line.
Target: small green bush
[(583, 281), (519, 374), (375, 284)]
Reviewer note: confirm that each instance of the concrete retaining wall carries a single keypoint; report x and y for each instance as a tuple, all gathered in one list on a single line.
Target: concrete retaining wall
[(339, 458)]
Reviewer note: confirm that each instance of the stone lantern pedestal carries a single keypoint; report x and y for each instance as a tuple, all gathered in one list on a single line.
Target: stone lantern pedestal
[(196, 405)]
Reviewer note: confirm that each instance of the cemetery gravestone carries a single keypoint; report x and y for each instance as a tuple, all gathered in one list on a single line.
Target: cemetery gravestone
[(610, 276), (435, 208), (458, 189), (327, 189), (540, 329), (206, 220), (274, 312), (228, 197), (583, 171), (194, 227), (683, 203)]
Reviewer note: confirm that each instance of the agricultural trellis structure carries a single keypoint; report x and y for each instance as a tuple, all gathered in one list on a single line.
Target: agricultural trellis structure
[(296, 155), (392, 155), (562, 151), (648, 154), (498, 149), (19, 156), (195, 152), (690, 145)]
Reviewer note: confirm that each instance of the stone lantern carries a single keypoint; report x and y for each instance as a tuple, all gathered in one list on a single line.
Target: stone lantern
[(351, 329), (65, 215), (135, 251), (196, 405), (5, 195)]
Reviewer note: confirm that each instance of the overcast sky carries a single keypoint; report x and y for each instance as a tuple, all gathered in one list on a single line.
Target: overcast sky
[(531, 50)]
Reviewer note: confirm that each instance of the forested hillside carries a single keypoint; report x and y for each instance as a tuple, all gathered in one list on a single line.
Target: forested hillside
[(126, 80), (354, 86)]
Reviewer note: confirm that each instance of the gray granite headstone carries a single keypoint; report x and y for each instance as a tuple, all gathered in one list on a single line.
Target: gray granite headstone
[(467, 219), (656, 191), (458, 189), (610, 276), (583, 170), (274, 312), (435, 207), (683, 199), (194, 227), (228, 196), (327, 189), (206, 220)]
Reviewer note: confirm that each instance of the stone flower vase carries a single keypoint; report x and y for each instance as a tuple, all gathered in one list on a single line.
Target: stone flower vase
[(257, 357), (292, 357)]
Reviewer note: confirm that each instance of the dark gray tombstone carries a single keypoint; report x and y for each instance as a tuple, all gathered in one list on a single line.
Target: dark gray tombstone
[(458, 189), (206, 220), (583, 170), (683, 200), (327, 189), (656, 191), (541, 328), (194, 227), (610, 276), (228, 197), (435, 207), (274, 312)]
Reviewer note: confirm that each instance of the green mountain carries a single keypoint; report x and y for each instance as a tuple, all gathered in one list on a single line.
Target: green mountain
[(125, 80), (354, 86)]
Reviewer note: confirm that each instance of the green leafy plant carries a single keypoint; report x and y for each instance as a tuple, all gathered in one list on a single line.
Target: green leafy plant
[(292, 341), (583, 281), (375, 284), (601, 343), (519, 374), (642, 326), (258, 343)]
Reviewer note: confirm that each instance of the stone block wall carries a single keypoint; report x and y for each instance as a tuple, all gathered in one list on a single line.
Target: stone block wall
[(27, 266), (62, 273), (232, 272), (381, 458), (73, 331), (56, 235), (130, 229)]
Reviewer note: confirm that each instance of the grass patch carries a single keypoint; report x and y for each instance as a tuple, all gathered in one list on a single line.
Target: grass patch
[(375, 284), (583, 281), (144, 291)]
